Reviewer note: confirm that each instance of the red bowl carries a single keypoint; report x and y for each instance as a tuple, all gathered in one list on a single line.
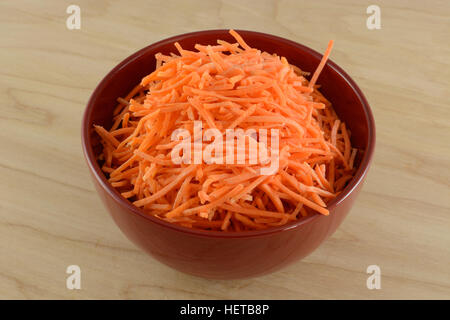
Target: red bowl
[(215, 254)]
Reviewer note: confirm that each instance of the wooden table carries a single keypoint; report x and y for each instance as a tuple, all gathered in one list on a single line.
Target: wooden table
[(51, 217)]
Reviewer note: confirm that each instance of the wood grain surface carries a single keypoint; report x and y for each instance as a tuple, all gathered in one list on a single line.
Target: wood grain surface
[(51, 217)]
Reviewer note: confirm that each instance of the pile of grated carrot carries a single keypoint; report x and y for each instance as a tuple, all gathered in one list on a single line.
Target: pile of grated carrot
[(228, 85)]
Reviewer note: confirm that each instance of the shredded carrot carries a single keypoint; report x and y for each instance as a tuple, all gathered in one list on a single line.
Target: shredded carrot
[(228, 86), (321, 64)]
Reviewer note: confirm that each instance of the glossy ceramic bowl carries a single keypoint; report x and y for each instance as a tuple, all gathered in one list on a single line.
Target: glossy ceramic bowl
[(215, 254)]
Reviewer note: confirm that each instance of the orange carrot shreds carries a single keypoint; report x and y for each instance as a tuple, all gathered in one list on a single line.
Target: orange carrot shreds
[(321, 64), (106, 136), (166, 189), (217, 89)]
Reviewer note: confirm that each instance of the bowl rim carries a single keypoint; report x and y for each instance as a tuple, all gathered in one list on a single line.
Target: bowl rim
[(113, 193)]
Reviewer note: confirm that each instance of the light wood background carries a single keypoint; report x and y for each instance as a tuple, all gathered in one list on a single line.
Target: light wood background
[(51, 217)]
